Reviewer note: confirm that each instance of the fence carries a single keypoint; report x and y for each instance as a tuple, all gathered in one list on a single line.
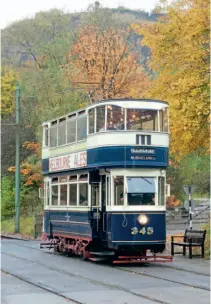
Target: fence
[(181, 215)]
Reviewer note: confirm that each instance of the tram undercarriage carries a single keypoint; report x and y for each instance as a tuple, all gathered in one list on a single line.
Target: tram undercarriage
[(96, 251)]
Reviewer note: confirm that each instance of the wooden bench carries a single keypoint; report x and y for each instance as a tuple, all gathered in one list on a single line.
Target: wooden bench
[(192, 238)]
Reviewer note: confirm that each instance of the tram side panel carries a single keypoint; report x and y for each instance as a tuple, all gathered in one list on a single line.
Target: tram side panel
[(67, 224)]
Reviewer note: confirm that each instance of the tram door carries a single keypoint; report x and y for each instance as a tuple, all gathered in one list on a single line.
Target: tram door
[(103, 207), (98, 207), (95, 208)]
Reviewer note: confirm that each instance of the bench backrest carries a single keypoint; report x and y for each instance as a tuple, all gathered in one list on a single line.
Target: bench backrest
[(195, 236)]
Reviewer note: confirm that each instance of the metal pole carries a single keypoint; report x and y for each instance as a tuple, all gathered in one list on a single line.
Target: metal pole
[(17, 162), (190, 212)]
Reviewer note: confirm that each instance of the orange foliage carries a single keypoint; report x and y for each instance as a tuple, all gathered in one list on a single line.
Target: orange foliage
[(172, 201), (25, 171), (102, 63), (35, 147), (30, 172), (34, 178)]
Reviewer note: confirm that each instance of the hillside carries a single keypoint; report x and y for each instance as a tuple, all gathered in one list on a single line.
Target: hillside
[(26, 39)]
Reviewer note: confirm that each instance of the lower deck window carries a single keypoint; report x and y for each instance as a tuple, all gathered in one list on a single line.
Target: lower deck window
[(63, 194), (73, 194), (54, 195), (83, 194), (141, 191)]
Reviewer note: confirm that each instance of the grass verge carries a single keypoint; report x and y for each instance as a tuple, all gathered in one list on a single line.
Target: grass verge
[(26, 226)]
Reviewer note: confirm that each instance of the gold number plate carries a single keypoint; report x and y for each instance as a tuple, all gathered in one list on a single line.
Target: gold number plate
[(143, 231)]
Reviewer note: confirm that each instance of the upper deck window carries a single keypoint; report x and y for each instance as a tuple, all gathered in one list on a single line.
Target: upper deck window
[(45, 136), (91, 120), (71, 129), (115, 118), (81, 128), (62, 132), (164, 119), (141, 119), (53, 134), (100, 118)]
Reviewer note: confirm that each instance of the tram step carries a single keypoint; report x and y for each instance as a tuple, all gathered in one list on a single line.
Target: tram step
[(97, 259), (104, 253), (46, 245)]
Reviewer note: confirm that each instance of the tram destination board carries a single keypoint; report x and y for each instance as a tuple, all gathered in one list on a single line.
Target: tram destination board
[(143, 154)]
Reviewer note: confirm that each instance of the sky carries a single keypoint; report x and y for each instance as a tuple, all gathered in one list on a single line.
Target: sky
[(14, 10)]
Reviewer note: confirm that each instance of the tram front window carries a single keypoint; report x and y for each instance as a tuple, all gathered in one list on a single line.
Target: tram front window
[(119, 190), (142, 119), (115, 118), (141, 191)]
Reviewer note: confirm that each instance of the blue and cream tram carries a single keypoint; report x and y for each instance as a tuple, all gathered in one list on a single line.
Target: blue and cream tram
[(104, 173)]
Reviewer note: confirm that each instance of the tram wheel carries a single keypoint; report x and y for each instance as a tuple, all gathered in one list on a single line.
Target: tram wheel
[(56, 249), (85, 255), (70, 254)]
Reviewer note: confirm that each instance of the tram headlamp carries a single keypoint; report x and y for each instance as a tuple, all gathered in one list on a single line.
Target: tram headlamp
[(142, 219)]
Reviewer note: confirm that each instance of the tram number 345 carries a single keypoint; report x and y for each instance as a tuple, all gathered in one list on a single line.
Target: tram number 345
[(143, 231)]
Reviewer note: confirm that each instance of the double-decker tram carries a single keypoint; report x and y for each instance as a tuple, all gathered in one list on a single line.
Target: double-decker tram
[(104, 173)]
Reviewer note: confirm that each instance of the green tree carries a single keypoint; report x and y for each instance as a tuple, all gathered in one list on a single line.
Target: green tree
[(47, 94), (8, 80), (193, 169)]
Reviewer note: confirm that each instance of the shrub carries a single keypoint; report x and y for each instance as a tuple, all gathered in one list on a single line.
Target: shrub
[(207, 240), (7, 197)]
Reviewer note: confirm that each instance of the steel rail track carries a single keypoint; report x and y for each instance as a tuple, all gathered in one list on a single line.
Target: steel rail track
[(39, 286), (161, 278), (87, 279), (163, 266), (13, 238)]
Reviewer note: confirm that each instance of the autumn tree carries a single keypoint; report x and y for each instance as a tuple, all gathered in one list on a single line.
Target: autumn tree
[(8, 80), (179, 44), (103, 63), (31, 166)]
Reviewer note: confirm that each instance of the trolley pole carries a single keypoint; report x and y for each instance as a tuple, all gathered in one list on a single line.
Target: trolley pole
[(17, 162), (190, 207)]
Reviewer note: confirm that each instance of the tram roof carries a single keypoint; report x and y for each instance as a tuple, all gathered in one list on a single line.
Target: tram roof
[(132, 103), (130, 99)]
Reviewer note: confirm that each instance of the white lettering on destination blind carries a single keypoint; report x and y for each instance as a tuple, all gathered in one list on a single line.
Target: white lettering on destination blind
[(70, 161), (142, 150)]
